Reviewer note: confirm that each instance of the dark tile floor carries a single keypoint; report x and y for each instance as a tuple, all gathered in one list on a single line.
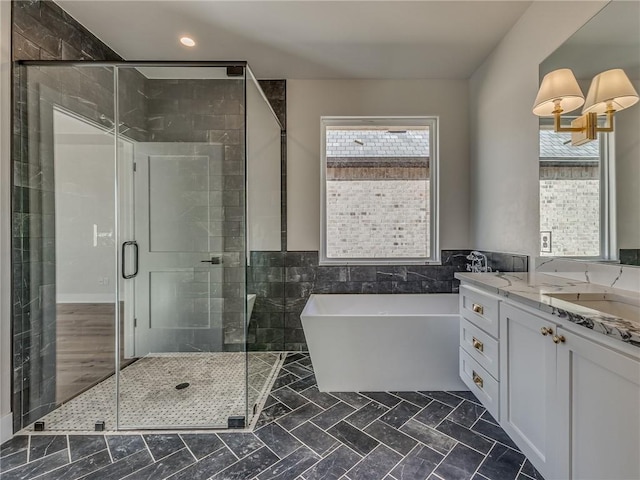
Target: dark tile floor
[(301, 434)]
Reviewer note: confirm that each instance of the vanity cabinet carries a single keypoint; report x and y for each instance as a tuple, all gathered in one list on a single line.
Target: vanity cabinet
[(597, 434), (479, 346), (571, 404), (527, 379)]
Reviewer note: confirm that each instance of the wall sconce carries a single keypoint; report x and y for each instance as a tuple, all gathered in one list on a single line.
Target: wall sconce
[(610, 92)]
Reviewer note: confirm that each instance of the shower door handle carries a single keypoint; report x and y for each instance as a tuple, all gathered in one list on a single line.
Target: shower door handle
[(136, 257)]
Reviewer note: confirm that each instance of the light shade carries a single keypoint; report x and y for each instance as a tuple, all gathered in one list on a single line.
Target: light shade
[(610, 87), (560, 85)]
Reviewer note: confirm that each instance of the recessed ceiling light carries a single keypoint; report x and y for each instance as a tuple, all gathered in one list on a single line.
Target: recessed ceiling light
[(188, 41)]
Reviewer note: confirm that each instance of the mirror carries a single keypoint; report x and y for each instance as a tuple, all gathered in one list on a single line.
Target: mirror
[(579, 196)]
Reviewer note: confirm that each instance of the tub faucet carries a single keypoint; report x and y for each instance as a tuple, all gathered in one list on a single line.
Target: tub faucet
[(478, 263)]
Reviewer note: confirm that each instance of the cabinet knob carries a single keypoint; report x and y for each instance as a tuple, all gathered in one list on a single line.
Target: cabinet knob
[(477, 308), (546, 331), (559, 339), (478, 345), (477, 379)]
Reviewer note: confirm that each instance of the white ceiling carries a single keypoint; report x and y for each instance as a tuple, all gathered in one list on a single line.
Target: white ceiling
[(308, 39)]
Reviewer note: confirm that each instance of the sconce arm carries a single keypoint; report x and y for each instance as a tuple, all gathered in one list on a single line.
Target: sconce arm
[(559, 128), (609, 126)]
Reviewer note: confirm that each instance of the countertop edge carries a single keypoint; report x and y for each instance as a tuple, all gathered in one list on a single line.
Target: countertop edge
[(529, 290)]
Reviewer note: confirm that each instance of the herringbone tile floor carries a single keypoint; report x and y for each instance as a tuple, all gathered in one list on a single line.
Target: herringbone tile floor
[(301, 434)]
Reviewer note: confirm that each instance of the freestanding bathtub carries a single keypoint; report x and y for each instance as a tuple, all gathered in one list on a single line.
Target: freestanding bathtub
[(384, 342)]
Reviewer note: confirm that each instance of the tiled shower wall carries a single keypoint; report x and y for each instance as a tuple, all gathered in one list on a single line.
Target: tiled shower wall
[(215, 113), (276, 318), (630, 256), (212, 112), (41, 31)]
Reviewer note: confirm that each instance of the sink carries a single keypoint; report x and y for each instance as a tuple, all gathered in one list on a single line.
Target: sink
[(609, 303)]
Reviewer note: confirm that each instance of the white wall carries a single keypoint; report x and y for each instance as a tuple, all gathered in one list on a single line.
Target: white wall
[(84, 194), (627, 141), (263, 174), (5, 219), (504, 132), (308, 100)]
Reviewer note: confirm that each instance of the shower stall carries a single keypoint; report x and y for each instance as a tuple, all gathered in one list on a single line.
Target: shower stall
[(140, 191)]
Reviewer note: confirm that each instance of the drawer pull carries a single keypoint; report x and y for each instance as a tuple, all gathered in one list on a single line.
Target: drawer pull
[(477, 308), (477, 379), (478, 345), (546, 331)]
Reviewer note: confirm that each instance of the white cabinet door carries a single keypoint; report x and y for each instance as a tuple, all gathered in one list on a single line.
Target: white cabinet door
[(527, 383), (599, 403)]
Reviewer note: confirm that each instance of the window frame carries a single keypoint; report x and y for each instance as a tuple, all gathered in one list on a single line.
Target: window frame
[(430, 121), (607, 173)]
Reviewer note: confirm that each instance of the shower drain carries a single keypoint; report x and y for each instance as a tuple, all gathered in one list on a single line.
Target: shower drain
[(182, 386)]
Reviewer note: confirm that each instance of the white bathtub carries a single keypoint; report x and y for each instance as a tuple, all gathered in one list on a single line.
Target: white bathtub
[(251, 300), (383, 342)]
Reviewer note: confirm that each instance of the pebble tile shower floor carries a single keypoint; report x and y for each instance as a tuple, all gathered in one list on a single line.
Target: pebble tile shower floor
[(301, 434), (148, 397)]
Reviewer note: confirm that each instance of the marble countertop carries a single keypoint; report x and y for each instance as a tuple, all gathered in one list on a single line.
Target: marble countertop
[(530, 289)]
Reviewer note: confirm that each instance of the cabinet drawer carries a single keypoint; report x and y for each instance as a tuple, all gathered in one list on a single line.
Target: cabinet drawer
[(480, 382), (480, 309), (480, 346)]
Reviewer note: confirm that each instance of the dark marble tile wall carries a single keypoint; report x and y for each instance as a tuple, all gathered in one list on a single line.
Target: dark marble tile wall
[(630, 256), (303, 276), (212, 111), (507, 262), (265, 278), (132, 104), (43, 31), (276, 93), (196, 111)]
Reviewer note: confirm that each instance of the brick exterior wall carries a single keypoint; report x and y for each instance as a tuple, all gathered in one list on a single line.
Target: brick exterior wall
[(377, 218), (377, 173), (570, 207), (570, 210)]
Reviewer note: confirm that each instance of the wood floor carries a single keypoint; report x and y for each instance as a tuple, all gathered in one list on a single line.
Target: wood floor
[(85, 347)]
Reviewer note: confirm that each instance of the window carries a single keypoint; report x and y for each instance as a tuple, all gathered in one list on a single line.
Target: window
[(574, 196), (379, 190)]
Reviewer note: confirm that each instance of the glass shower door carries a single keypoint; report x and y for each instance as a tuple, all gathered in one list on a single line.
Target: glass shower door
[(64, 258), (178, 305), (182, 243), (130, 246), (265, 338)]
